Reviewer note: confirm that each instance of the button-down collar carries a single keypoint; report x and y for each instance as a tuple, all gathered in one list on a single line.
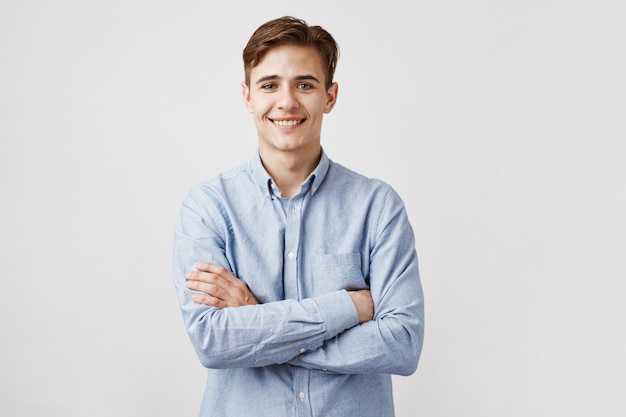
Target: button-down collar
[(267, 183)]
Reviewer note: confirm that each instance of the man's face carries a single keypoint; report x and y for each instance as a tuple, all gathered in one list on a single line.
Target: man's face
[(288, 98)]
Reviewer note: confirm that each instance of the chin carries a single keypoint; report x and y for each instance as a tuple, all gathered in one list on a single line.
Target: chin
[(287, 145), (288, 148)]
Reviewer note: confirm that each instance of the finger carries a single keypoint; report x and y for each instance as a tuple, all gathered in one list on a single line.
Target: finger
[(207, 277), (207, 288), (208, 300), (208, 267), (217, 270)]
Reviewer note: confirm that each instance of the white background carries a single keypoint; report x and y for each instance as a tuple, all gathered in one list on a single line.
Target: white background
[(501, 124)]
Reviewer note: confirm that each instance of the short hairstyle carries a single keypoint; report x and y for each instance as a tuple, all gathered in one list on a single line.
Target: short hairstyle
[(288, 30)]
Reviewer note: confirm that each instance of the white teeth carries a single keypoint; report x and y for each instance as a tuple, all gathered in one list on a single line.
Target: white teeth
[(287, 122)]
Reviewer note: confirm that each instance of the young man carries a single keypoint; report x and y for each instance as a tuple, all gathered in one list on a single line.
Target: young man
[(297, 278)]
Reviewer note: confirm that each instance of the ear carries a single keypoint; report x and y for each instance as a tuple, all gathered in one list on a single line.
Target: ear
[(331, 97), (245, 90)]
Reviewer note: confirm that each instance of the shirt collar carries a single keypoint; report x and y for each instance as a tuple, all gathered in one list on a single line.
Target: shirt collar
[(265, 181), (319, 173)]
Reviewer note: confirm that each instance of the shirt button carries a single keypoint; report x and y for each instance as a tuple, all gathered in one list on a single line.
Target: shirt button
[(302, 395), (290, 255), (302, 350), (293, 208)]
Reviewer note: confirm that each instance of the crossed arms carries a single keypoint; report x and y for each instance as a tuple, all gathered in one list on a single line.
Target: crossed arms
[(374, 330), (219, 288)]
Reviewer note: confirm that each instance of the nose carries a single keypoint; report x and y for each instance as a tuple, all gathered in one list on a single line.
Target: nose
[(288, 99)]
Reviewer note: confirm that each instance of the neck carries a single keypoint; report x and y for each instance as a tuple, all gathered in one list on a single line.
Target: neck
[(289, 169)]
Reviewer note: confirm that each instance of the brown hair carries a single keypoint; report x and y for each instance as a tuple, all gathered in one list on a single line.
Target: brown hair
[(289, 30)]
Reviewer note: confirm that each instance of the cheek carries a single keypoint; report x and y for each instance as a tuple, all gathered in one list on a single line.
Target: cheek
[(261, 107), (320, 109)]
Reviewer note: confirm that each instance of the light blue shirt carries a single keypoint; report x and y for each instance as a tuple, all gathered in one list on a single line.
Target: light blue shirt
[(302, 352)]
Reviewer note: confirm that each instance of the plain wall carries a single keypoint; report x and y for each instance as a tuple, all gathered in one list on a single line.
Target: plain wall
[(501, 124)]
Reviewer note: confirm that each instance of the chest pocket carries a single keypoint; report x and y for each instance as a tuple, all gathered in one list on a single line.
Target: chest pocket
[(337, 272)]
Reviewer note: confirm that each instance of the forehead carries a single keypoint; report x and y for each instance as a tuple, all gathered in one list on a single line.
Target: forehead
[(289, 61)]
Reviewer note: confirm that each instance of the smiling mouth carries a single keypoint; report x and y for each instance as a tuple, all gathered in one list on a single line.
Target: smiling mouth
[(286, 123)]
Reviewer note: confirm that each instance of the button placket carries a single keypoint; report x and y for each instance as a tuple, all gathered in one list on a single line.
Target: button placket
[(301, 391), (292, 244)]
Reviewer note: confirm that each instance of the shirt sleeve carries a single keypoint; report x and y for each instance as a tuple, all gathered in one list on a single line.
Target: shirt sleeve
[(250, 336), (392, 342)]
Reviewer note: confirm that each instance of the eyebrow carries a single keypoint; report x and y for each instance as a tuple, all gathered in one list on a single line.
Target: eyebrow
[(297, 78)]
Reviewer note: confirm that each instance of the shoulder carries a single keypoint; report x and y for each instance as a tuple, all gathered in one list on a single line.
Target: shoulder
[(217, 193), (221, 182), (355, 189), (340, 175)]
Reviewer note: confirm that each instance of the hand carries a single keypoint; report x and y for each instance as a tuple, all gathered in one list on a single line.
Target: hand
[(221, 288), (364, 304)]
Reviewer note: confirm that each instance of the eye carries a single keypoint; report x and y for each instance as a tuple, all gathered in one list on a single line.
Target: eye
[(268, 86), (305, 86)]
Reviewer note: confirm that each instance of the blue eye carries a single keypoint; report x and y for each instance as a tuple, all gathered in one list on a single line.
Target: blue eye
[(268, 86), (305, 86)]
